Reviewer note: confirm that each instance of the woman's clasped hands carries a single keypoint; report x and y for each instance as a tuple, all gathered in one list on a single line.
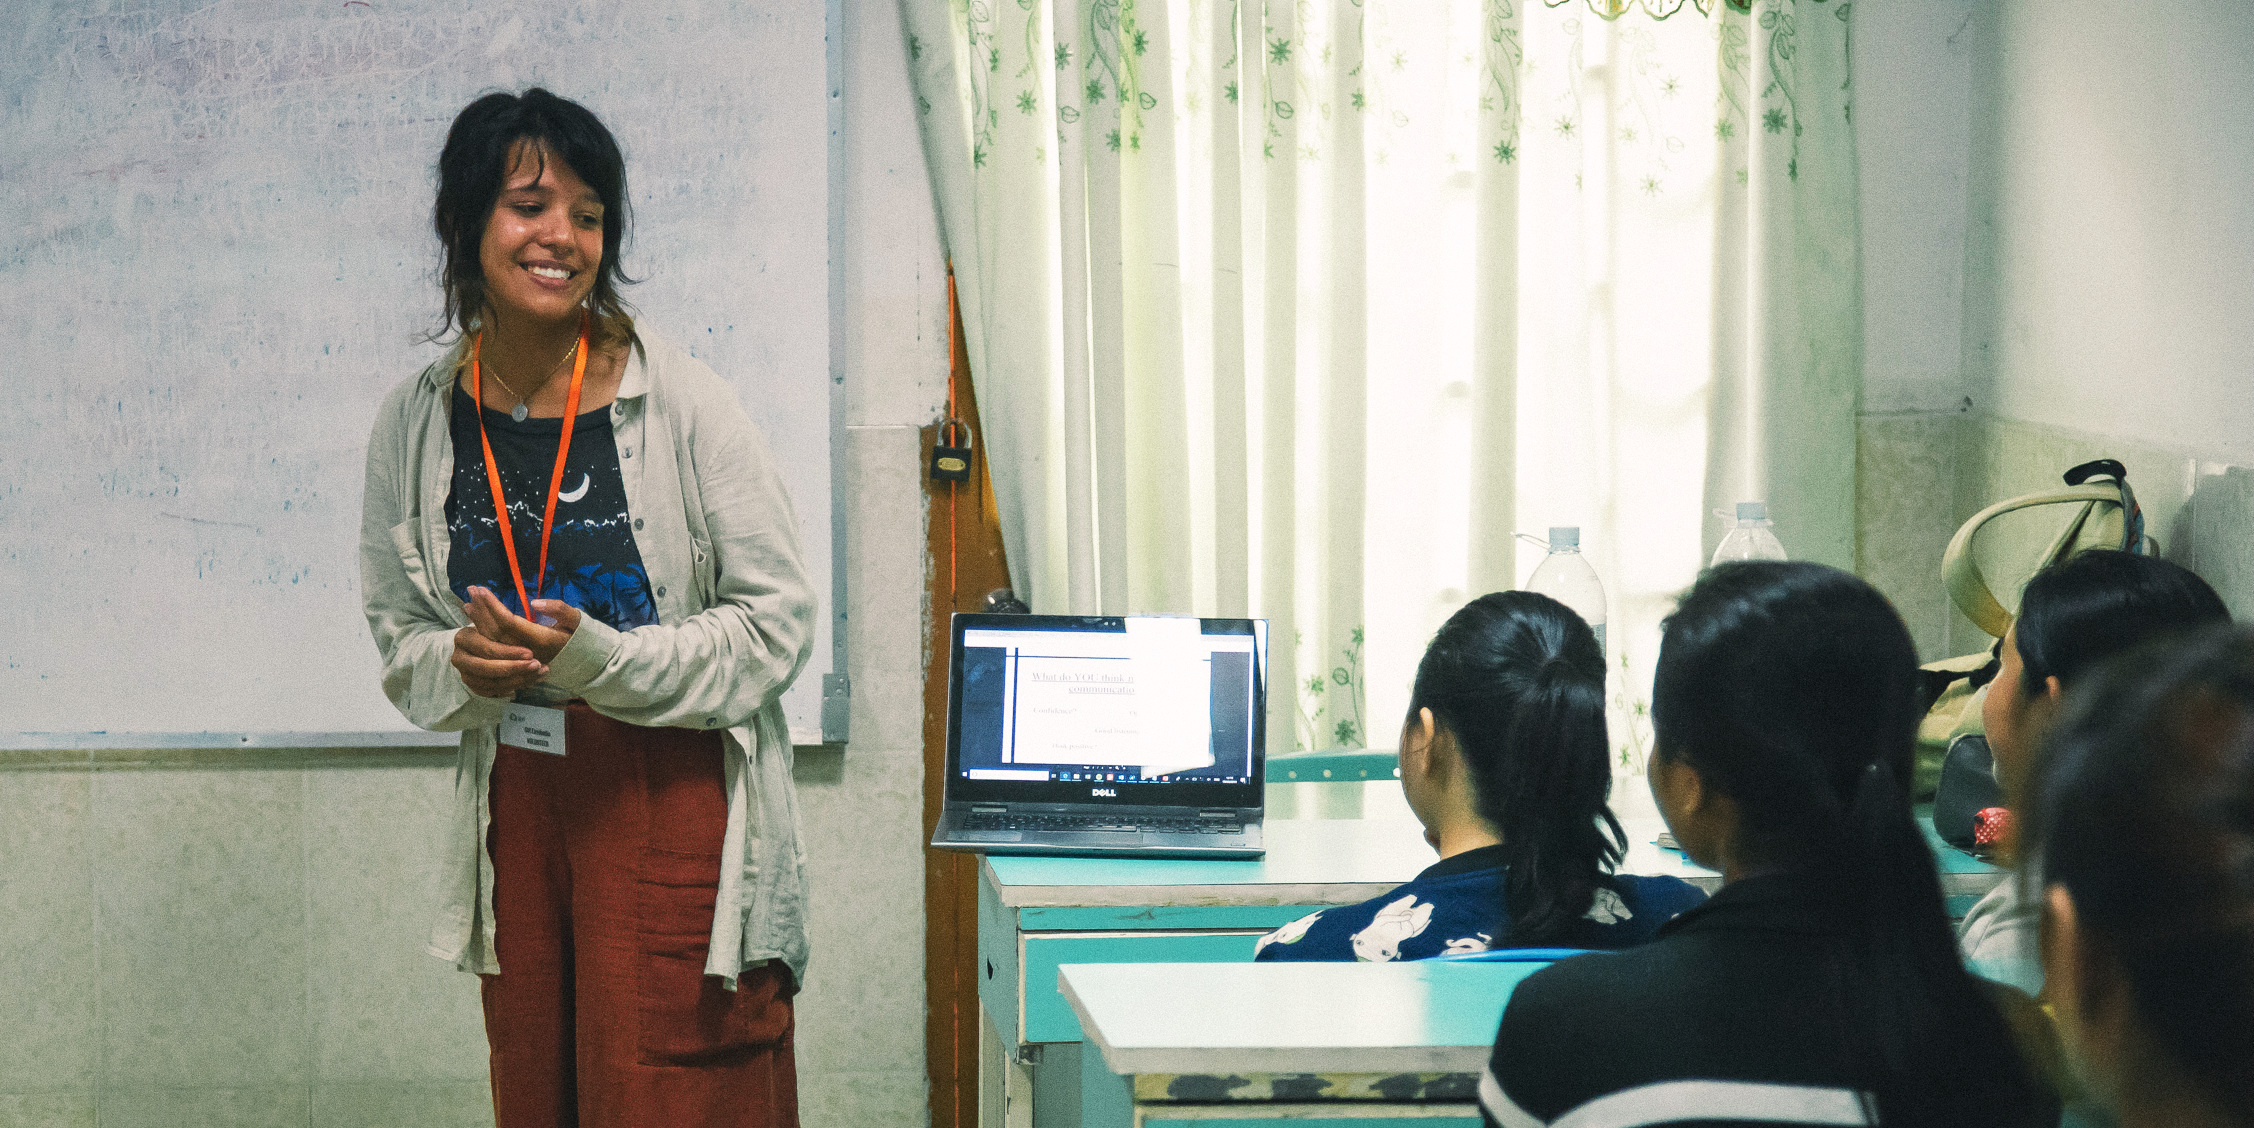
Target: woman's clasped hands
[(502, 652)]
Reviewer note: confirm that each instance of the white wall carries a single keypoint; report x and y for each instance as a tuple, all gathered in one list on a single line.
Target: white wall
[(2118, 182), (1913, 101), (2058, 222), (1912, 64), (2102, 165), (861, 1046)]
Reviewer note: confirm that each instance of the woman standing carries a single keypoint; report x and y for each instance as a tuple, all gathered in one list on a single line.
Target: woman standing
[(575, 552)]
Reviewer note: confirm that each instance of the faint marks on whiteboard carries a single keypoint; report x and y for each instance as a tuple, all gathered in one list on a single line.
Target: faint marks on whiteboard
[(145, 169), (210, 521), (213, 55), (281, 573), (135, 481)]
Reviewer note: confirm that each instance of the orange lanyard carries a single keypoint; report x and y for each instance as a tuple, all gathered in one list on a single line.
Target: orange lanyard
[(555, 480)]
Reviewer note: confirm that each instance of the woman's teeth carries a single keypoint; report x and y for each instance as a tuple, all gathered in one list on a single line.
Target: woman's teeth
[(557, 273)]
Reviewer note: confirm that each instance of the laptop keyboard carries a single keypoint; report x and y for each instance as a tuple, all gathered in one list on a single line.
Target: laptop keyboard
[(1096, 823)]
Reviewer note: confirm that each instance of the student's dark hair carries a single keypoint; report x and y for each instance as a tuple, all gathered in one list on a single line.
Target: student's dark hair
[(2143, 808), (1516, 679), (481, 150), (1791, 689), (2088, 607)]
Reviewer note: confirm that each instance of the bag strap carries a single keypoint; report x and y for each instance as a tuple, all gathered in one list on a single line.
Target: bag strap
[(2132, 514), (2108, 498)]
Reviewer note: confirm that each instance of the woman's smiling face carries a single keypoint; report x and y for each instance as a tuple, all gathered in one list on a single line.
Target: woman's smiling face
[(543, 243)]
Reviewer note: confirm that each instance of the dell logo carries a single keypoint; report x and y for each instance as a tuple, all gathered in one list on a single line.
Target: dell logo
[(1104, 792)]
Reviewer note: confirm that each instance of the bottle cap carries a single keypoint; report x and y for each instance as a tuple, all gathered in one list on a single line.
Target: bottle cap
[(1752, 511), (1565, 536)]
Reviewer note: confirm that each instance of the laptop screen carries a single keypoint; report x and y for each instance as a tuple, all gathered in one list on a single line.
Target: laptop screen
[(1138, 710)]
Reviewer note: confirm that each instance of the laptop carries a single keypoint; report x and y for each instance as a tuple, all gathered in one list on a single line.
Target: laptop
[(1138, 736)]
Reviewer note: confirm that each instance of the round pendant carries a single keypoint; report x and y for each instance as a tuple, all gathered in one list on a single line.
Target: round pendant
[(519, 412)]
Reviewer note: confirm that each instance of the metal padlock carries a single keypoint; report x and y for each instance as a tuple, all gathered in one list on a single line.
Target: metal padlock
[(950, 456)]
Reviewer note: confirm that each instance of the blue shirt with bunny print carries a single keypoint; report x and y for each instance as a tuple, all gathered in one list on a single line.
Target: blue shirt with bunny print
[(1456, 906)]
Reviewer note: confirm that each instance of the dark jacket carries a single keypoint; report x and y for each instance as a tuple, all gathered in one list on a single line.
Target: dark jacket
[(1735, 1011)]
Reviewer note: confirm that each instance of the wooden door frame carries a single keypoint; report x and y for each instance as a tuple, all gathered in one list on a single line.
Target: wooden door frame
[(963, 541)]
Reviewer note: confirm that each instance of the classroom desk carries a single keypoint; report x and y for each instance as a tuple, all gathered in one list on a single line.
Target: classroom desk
[(1348, 1045), (1036, 914)]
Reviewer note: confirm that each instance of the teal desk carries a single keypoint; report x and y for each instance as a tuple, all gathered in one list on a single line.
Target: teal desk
[(1350, 1045), (1038, 914), (1962, 875)]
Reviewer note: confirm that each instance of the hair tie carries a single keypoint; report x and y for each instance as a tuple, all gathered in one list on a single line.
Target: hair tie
[(1560, 665)]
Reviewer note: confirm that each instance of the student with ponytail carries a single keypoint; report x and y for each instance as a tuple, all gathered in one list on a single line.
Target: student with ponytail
[(1503, 759), (1821, 984), (2072, 616)]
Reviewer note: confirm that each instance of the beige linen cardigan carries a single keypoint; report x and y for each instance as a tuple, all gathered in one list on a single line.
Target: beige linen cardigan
[(735, 624)]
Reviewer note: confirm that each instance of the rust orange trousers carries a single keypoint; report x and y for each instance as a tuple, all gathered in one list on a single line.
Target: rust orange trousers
[(606, 866)]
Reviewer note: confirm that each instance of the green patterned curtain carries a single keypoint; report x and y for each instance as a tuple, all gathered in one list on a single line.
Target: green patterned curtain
[(1301, 309), (1656, 9)]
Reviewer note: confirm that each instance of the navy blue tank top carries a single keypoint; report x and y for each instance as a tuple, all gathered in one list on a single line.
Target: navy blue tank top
[(592, 562)]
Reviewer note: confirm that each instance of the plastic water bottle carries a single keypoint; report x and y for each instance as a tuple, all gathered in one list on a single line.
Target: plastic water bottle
[(1749, 537), (1565, 576)]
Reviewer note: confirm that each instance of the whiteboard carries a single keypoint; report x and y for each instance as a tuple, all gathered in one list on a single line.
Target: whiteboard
[(216, 258)]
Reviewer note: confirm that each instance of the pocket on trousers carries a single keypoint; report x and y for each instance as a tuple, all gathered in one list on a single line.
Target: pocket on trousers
[(687, 1017)]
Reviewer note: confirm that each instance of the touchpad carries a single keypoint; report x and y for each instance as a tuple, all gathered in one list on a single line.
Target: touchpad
[(1099, 838)]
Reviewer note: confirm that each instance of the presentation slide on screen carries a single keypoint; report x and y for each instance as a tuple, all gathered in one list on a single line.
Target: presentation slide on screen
[(1092, 711), (1143, 701)]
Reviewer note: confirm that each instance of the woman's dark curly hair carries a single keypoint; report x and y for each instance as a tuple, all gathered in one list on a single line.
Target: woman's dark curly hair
[(482, 148)]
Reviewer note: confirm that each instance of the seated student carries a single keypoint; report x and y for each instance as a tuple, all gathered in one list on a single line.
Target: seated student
[(1821, 984), (1503, 759), (2072, 615), (2142, 814)]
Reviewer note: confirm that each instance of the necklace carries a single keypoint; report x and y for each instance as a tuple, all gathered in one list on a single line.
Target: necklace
[(521, 410)]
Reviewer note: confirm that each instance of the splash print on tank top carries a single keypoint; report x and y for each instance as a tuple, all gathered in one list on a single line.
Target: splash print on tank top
[(593, 563)]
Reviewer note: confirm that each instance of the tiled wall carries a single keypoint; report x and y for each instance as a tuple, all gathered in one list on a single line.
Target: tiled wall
[(1905, 512), (1921, 475), (237, 939), (229, 938)]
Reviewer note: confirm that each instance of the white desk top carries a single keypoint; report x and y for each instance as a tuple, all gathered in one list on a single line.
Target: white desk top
[(1309, 862), (1425, 1016), (1646, 859)]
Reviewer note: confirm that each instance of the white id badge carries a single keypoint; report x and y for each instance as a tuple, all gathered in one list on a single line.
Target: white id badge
[(533, 728)]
